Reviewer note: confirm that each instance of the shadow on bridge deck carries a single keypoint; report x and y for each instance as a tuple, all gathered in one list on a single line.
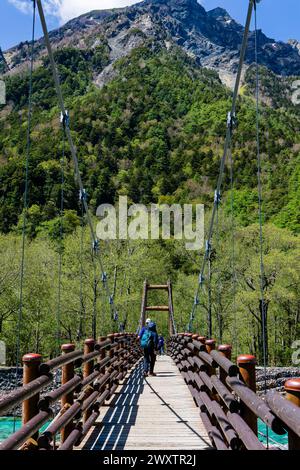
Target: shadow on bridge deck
[(156, 413), (112, 432)]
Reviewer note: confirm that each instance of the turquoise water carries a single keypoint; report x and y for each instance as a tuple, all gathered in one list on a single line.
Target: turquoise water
[(7, 427), (273, 437)]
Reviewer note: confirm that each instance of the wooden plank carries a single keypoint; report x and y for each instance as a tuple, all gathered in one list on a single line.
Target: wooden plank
[(157, 308), (158, 286), (153, 413)]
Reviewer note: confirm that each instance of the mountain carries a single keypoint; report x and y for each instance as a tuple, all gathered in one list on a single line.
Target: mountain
[(3, 64), (212, 37), (153, 126)]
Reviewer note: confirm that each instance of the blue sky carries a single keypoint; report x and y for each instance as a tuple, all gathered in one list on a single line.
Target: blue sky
[(279, 20)]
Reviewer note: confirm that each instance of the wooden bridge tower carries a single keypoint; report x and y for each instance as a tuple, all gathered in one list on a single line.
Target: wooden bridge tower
[(158, 308)]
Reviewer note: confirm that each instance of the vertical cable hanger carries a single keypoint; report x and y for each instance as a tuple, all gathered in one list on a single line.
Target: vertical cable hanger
[(94, 239), (95, 297), (260, 215), (230, 125), (82, 326), (233, 268), (25, 200), (218, 283), (61, 236)]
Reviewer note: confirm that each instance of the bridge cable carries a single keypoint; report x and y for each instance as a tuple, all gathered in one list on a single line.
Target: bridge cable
[(94, 316), (95, 241), (260, 211), (219, 278), (81, 327), (61, 245), (25, 201), (233, 259), (230, 124)]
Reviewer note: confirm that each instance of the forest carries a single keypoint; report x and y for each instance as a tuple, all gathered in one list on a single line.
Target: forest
[(154, 133)]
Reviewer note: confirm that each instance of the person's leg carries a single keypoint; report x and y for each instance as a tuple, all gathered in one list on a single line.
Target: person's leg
[(146, 360), (152, 360)]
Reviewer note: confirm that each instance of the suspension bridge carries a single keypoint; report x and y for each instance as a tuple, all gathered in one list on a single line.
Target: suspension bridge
[(97, 398)]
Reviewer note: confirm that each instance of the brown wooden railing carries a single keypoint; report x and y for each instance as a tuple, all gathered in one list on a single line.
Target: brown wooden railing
[(226, 395), (89, 378)]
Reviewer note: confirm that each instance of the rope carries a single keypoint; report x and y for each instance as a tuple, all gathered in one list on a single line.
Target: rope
[(260, 211), (230, 123), (25, 209)]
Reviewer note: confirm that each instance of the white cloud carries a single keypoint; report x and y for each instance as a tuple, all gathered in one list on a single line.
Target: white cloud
[(68, 9), (23, 6), (71, 8)]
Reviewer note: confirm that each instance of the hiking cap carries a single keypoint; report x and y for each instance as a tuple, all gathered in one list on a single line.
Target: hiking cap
[(148, 320)]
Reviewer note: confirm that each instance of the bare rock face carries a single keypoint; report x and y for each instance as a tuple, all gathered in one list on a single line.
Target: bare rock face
[(295, 44), (212, 37), (275, 377), (3, 64)]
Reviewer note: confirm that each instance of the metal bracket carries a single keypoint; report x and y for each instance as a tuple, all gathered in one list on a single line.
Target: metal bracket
[(217, 198)]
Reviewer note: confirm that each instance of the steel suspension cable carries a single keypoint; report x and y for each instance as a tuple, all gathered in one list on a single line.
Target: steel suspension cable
[(78, 178), (230, 123), (25, 199), (260, 214), (218, 283), (61, 245), (81, 329), (233, 269), (94, 316)]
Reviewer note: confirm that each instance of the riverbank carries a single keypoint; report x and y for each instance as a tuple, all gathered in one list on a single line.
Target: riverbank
[(275, 379), (10, 379)]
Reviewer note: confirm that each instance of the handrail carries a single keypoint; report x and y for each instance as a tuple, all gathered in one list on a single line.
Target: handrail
[(226, 395), (104, 363)]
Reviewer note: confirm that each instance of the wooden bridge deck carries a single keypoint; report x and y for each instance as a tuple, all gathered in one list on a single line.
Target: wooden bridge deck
[(148, 414)]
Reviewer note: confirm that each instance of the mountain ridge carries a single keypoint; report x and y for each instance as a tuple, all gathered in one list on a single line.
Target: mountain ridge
[(212, 37)]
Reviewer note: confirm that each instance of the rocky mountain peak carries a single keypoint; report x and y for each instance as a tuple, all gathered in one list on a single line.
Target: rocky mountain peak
[(219, 13), (295, 44), (212, 37)]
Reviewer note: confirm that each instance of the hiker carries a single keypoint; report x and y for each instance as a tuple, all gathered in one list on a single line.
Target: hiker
[(149, 343), (144, 328), (161, 345)]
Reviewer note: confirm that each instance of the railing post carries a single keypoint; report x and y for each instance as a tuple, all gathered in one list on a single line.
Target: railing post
[(89, 346), (67, 374), (202, 339), (102, 354), (225, 350), (111, 367), (292, 388), (210, 345), (246, 363), (31, 363), (119, 337)]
